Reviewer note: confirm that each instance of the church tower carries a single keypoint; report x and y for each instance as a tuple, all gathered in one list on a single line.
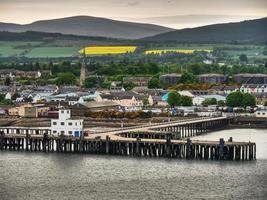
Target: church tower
[(83, 69)]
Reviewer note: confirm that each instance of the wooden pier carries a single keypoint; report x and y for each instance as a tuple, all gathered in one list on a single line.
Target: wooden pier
[(167, 140)]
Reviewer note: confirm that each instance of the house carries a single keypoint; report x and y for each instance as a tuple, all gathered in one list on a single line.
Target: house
[(147, 91), (68, 89), (212, 78), (253, 88), (47, 89), (137, 80), (18, 110), (94, 106), (199, 92), (66, 125), (58, 98), (128, 101), (229, 89), (72, 100), (170, 79), (89, 96), (4, 89), (186, 93), (261, 98), (12, 73), (36, 111), (158, 102), (39, 97)]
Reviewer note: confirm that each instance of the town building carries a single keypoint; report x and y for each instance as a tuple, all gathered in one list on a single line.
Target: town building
[(170, 79), (66, 125), (212, 78), (250, 78)]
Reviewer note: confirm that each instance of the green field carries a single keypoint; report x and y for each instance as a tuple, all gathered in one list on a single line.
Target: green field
[(15, 48), (35, 50), (53, 52)]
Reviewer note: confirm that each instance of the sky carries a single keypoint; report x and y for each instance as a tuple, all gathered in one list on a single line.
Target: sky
[(147, 11)]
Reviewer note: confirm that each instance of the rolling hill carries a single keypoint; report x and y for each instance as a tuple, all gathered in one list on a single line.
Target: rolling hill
[(253, 31), (89, 26)]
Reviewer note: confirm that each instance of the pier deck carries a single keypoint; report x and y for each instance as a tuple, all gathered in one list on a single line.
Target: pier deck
[(170, 139)]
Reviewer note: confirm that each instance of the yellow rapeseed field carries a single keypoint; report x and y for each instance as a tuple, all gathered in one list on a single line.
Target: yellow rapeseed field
[(185, 51), (102, 50)]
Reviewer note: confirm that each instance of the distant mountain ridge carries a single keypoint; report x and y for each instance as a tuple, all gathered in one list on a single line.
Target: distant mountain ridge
[(252, 31), (89, 26)]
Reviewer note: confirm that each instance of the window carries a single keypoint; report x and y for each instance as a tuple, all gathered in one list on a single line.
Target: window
[(54, 131), (75, 123), (54, 123), (62, 111), (70, 123), (68, 112), (62, 123), (62, 132), (70, 132)]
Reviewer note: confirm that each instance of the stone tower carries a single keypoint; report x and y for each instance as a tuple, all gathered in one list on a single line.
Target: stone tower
[(83, 69)]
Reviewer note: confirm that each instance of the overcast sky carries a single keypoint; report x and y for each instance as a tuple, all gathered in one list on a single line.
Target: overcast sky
[(26, 11)]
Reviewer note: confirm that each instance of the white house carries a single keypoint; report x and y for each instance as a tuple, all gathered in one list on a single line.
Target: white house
[(261, 113), (65, 125)]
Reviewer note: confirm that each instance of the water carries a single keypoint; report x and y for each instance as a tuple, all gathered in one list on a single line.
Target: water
[(74, 176)]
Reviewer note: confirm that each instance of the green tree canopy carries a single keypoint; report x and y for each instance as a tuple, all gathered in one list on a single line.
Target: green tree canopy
[(209, 101), (221, 103), (173, 99), (249, 100), (186, 101), (90, 82), (234, 99), (188, 78), (238, 99), (129, 86), (265, 103), (243, 58), (2, 97), (154, 83), (66, 78)]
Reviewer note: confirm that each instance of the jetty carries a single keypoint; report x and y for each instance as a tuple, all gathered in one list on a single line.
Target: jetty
[(168, 140)]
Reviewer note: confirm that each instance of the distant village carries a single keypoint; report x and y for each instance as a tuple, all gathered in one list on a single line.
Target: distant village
[(33, 101)]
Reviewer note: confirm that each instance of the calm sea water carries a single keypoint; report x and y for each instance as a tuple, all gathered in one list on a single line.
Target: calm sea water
[(74, 176)]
